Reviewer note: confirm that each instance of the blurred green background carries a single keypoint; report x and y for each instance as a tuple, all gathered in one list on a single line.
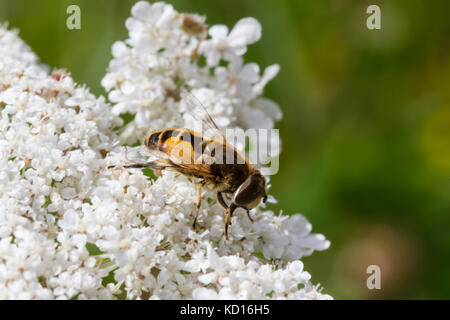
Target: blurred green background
[(366, 127)]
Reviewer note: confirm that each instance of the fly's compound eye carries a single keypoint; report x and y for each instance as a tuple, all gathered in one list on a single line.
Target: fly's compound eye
[(250, 192)]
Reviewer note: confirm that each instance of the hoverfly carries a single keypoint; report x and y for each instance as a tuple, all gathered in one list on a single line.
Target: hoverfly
[(195, 155)]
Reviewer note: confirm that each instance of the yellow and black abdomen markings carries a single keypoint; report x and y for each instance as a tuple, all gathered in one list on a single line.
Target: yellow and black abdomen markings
[(184, 144)]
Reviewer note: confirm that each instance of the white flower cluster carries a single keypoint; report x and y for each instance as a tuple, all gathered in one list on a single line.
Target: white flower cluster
[(70, 228), (167, 50)]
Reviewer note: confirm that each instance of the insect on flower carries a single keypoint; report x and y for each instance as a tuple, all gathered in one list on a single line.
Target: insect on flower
[(208, 160)]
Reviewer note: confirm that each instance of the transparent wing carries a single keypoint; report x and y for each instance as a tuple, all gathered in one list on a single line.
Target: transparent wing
[(153, 154), (198, 112), (161, 161), (136, 156)]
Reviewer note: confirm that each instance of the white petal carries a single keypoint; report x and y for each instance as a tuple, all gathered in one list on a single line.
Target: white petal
[(207, 278), (141, 9), (68, 193), (246, 31), (166, 17), (269, 107), (204, 294), (257, 119), (212, 58), (119, 49), (250, 72), (269, 73), (218, 31)]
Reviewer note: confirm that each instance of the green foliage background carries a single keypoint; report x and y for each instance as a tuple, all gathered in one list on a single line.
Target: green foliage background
[(366, 127)]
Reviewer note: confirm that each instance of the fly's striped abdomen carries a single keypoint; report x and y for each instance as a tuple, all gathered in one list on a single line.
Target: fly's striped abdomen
[(184, 144), (152, 140)]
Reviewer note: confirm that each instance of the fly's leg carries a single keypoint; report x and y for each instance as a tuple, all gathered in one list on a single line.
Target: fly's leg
[(199, 186), (230, 209), (224, 205), (227, 222), (248, 214), (222, 202), (228, 216)]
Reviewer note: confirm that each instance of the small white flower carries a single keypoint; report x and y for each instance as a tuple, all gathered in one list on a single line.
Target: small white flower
[(228, 46)]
